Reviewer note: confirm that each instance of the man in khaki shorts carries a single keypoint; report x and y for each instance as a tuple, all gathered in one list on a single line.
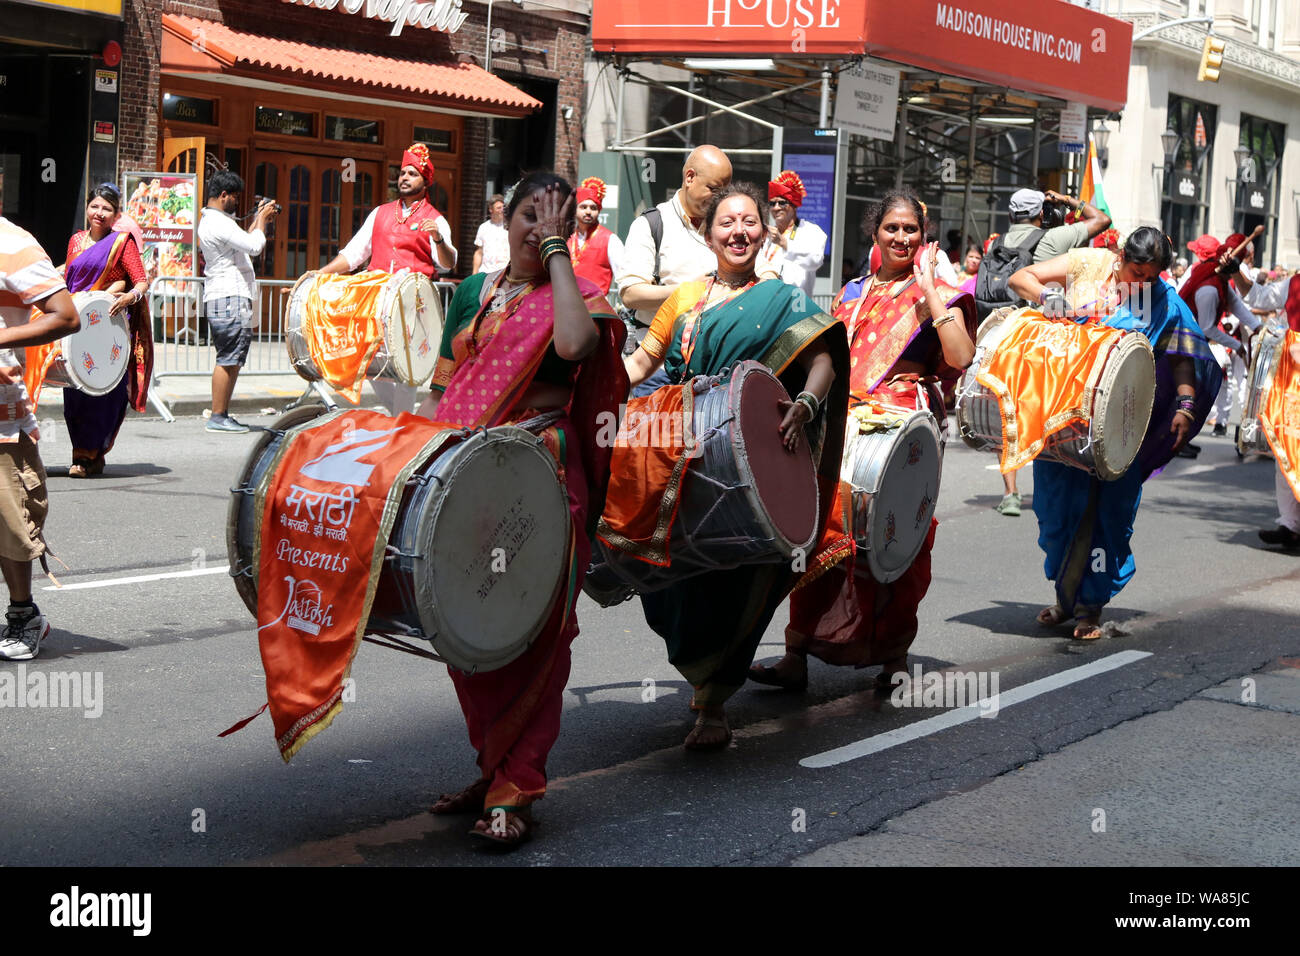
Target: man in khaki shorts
[(27, 278)]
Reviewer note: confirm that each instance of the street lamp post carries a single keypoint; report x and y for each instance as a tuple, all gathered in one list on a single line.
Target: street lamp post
[(1169, 141)]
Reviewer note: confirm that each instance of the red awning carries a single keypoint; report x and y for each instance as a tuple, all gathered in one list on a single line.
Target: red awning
[(193, 47), (1046, 47)]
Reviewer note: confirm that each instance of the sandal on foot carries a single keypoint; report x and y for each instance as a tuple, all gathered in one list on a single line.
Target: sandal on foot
[(1088, 631), (503, 832), (469, 800), (703, 723), (1052, 616), (771, 677), (80, 467)]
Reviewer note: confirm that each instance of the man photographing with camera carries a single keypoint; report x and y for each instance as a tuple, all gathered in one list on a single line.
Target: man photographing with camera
[(229, 285)]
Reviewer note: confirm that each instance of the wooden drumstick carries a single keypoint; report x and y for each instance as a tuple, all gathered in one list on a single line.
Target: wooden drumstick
[(1220, 269)]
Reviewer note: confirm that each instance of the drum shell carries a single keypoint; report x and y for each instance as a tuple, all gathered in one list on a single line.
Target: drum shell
[(710, 531), (1263, 371), (63, 373), (403, 603), (911, 455), (1086, 445)]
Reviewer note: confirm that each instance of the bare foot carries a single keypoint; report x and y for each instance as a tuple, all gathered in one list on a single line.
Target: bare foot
[(710, 732)]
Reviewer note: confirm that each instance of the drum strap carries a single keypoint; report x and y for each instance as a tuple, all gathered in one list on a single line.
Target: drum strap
[(693, 316)]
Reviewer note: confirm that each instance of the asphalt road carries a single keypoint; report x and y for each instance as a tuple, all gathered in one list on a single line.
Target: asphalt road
[(179, 663)]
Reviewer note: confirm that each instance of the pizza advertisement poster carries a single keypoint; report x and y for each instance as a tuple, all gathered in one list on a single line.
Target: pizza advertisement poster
[(166, 208)]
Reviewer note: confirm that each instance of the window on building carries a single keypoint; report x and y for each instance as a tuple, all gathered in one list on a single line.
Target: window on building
[(1258, 184), (1185, 203)]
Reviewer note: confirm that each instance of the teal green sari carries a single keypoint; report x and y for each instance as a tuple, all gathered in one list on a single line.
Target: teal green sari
[(712, 624)]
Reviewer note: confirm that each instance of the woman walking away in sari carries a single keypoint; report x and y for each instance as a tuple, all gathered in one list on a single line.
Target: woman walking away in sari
[(518, 342), (100, 259), (1084, 524), (909, 336), (712, 623)]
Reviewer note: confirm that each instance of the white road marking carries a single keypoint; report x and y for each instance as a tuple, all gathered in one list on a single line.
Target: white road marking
[(139, 579), (952, 718)]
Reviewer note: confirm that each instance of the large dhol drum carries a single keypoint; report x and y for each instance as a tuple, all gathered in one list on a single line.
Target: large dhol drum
[(1263, 369), (893, 459), (408, 309), (1122, 383), (744, 500), (476, 558), (94, 358)]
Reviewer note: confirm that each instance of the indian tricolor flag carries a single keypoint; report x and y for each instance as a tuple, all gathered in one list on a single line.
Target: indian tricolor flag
[(1091, 190)]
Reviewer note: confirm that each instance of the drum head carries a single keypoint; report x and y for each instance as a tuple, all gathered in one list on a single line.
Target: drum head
[(294, 316), (96, 356), (494, 550), (907, 489), (411, 312), (243, 523), (1122, 411), (785, 484)]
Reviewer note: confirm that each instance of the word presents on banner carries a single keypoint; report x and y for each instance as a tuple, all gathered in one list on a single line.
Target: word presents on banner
[(442, 15)]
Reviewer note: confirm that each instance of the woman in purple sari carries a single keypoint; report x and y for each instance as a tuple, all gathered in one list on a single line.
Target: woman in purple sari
[(100, 259)]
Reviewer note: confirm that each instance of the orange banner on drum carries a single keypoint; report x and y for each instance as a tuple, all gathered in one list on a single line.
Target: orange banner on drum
[(327, 512), (647, 466), (1044, 374), (342, 329), (1280, 416), (38, 360)]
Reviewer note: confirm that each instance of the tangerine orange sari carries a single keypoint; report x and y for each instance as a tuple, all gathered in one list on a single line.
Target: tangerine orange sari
[(838, 612)]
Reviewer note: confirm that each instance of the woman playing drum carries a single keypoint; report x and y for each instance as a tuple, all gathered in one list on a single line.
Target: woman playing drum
[(517, 343), (102, 260), (908, 336), (1084, 524), (712, 623)]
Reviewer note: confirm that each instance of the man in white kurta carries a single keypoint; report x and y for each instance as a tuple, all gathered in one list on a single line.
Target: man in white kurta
[(795, 248)]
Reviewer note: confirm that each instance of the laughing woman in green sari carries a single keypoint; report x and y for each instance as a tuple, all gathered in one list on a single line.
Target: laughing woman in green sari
[(712, 623)]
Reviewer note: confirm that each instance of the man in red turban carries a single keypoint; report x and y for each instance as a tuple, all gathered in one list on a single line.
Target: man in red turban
[(1210, 291), (407, 233), (795, 247), (597, 253)]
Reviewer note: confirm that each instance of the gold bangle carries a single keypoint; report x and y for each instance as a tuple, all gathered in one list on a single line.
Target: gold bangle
[(947, 318)]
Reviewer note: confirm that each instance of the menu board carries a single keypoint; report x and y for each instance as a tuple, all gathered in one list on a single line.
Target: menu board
[(166, 208)]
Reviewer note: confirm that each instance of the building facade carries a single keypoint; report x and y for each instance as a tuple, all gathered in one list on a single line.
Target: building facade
[(313, 101), (1233, 161)]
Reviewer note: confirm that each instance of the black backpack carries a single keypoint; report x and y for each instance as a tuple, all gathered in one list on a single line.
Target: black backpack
[(997, 267)]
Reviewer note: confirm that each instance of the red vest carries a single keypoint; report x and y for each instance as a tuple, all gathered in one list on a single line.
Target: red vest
[(395, 245), (593, 261), (1293, 304), (1204, 273)]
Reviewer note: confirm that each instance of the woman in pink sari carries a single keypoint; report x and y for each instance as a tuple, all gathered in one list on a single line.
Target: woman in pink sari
[(517, 343), (101, 259)]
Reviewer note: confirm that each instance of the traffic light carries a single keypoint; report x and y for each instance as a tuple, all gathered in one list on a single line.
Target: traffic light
[(1211, 59)]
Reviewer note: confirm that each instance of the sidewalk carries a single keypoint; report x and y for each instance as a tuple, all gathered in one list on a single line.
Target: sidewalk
[(191, 396), (1211, 782)]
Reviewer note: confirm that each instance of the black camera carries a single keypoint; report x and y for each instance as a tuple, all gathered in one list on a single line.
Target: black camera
[(1053, 214), (263, 200)]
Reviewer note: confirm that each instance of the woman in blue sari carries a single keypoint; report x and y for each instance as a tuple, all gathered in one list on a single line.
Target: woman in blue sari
[(1084, 524), (712, 623), (101, 259)]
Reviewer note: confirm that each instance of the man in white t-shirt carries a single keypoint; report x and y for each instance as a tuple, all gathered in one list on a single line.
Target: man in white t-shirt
[(492, 241), (27, 278), (229, 287)]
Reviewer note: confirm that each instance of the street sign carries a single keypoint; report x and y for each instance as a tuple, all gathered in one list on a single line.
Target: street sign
[(1074, 128), (866, 101)]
